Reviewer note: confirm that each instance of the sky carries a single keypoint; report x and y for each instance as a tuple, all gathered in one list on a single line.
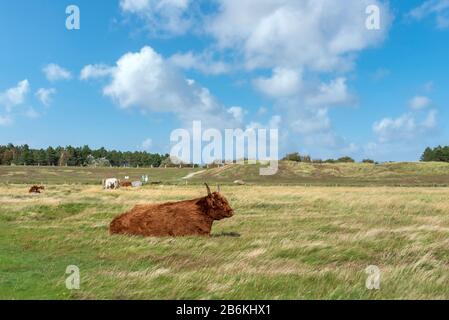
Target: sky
[(136, 70)]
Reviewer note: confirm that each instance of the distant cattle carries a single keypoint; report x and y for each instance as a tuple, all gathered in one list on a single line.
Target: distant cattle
[(111, 183), (239, 182), (136, 184), (125, 184), (174, 219), (36, 189)]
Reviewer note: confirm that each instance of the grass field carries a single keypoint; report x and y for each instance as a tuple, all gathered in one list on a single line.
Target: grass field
[(289, 173), (284, 242)]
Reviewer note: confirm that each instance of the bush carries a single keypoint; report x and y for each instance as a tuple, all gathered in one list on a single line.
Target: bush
[(296, 157), (346, 160)]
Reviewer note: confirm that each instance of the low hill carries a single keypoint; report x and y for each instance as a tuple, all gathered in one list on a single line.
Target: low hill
[(289, 173), (357, 174)]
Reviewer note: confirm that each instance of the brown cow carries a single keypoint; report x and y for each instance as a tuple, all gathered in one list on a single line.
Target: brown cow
[(126, 184), (174, 219), (36, 189)]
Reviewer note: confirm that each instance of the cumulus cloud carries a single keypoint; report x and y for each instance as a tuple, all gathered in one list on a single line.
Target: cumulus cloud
[(284, 82), (95, 71), (10, 99), (168, 17), (318, 34), (420, 102), (54, 72), (437, 8), (145, 80), (406, 127), (330, 94), (14, 96), (45, 96)]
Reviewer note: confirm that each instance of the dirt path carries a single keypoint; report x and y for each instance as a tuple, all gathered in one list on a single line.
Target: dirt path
[(192, 174)]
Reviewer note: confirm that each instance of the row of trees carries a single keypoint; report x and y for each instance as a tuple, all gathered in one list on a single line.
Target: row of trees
[(436, 154), (77, 156), (307, 159)]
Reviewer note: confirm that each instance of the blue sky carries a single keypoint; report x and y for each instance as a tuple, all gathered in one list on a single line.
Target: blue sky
[(309, 68)]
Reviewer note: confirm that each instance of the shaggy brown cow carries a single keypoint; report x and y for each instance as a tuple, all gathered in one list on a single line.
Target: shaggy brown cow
[(36, 189), (174, 219), (126, 184)]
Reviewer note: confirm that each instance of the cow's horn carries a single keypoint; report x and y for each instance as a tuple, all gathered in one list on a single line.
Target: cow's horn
[(208, 190), (218, 188)]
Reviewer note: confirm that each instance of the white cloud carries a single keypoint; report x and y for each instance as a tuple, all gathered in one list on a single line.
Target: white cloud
[(14, 96), (134, 5), (437, 8), (202, 62), (147, 144), (284, 82), (95, 71), (237, 113), (168, 17), (318, 34), (406, 127), (45, 95), (332, 93), (54, 72), (145, 80), (420, 102)]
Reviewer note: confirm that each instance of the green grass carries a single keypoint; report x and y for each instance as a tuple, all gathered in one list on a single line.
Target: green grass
[(284, 242)]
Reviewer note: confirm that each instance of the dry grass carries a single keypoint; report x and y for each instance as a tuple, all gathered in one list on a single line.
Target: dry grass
[(294, 243)]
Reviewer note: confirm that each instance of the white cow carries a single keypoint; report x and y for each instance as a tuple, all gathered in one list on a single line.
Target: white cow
[(111, 183)]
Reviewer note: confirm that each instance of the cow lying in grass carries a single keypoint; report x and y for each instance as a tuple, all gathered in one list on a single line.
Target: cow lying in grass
[(111, 183), (36, 189), (125, 184), (174, 219)]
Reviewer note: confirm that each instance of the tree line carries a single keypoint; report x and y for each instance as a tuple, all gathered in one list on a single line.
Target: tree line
[(78, 156), (297, 157), (440, 154)]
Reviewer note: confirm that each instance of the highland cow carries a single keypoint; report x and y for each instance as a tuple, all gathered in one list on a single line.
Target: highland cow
[(126, 184), (174, 219), (36, 189)]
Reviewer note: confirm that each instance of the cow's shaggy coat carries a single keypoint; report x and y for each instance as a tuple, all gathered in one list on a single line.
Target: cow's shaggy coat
[(174, 219)]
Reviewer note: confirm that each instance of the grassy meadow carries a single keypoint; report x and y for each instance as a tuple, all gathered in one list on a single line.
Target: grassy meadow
[(284, 242), (290, 173)]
